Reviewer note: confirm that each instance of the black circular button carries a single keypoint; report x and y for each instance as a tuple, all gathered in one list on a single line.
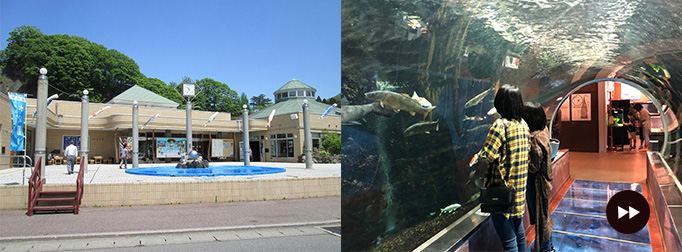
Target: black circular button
[(627, 211)]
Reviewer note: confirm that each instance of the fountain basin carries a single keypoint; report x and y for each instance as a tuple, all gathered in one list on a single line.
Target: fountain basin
[(221, 170)]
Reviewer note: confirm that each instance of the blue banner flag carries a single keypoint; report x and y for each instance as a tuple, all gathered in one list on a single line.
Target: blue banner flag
[(18, 102)]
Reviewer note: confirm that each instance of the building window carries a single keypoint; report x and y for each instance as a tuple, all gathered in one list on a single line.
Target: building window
[(282, 145), (317, 137), (300, 93)]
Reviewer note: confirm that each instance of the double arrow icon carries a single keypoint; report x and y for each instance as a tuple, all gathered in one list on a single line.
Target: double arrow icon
[(622, 212)]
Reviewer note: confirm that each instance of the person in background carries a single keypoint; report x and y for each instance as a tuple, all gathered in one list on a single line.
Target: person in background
[(632, 130), (645, 121), (124, 157), (508, 142), (70, 153), (539, 177)]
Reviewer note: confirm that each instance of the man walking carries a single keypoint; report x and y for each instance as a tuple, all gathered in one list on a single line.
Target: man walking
[(70, 152), (645, 119)]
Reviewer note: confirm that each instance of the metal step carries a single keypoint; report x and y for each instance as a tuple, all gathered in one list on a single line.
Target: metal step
[(56, 199), (48, 208)]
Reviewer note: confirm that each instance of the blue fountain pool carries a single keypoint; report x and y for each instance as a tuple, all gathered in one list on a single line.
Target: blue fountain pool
[(221, 170)]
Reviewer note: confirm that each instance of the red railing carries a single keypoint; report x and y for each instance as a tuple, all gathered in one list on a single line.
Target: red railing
[(79, 185), (35, 186)]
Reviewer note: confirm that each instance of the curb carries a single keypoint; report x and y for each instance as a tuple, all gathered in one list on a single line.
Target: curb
[(167, 231)]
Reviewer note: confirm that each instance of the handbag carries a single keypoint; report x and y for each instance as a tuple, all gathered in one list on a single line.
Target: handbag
[(498, 198)]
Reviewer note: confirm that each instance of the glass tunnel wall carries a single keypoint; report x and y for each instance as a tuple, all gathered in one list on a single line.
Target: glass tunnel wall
[(404, 163)]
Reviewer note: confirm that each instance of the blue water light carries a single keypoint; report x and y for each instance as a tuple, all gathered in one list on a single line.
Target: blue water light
[(223, 170)]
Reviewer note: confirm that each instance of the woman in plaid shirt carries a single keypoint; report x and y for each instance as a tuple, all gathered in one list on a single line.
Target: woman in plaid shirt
[(506, 148)]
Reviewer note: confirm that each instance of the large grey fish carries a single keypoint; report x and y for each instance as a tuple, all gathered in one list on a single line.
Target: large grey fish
[(421, 128), (398, 102), (479, 98), (353, 114)]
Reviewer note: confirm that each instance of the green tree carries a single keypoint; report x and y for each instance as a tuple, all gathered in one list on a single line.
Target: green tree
[(259, 102), (73, 64), (243, 99), (159, 87), (215, 96), (331, 142)]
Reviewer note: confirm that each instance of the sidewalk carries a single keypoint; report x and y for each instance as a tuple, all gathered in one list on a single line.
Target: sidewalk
[(168, 219)]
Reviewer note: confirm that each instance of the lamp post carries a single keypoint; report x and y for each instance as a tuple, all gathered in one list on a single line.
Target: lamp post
[(41, 120), (308, 136), (189, 91), (136, 134), (85, 139), (245, 150)]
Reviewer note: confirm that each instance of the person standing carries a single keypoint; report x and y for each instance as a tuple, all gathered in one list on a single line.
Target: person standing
[(70, 153), (506, 151), (124, 157), (645, 121), (539, 177), (632, 130)]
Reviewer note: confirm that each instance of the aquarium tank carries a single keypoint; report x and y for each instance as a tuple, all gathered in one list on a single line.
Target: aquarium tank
[(418, 82)]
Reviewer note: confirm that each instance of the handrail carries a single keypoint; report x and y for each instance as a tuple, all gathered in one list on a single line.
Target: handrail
[(79, 185), (30, 163), (35, 186)]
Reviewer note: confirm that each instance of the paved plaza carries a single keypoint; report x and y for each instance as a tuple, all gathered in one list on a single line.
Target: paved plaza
[(111, 174)]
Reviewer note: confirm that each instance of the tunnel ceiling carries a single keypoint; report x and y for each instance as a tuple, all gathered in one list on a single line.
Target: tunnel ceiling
[(590, 39)]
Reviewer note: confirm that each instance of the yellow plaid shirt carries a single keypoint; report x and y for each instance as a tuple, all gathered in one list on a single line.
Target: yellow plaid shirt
[(512, 157)]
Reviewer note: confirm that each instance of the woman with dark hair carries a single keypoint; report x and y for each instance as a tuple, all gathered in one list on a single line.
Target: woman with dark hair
[(506, 152), (539, 177)]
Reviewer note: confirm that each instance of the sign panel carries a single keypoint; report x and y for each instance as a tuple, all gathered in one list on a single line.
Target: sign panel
[(18, 102), (67, 138), (581, 107), (222, 148), (170, 147)]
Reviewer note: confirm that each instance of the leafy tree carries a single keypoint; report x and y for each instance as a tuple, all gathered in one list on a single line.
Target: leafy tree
[(331, 142), (318, 99), (259, 102), (73, 64), (159, 87), (215, 96), (243, 99)]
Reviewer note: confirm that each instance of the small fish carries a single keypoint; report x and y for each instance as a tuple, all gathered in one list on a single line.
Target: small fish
[(450, 209), (423, 101), (473, 118), (421, 128), (385, 86), (399, 101), (479, 98)]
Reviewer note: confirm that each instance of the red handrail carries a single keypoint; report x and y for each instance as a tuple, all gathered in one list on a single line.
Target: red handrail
[(35, 186), (79, 185)]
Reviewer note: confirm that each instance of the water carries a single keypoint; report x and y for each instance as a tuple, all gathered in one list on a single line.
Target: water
[(223, 170), (455, 54)]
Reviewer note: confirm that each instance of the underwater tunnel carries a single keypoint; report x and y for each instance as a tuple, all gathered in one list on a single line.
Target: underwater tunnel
[(406, 182)]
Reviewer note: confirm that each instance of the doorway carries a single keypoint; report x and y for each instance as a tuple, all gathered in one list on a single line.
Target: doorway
[(255, 150), (567, 97)]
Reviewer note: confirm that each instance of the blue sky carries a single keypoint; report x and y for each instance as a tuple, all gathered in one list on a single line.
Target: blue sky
[(254, 46)]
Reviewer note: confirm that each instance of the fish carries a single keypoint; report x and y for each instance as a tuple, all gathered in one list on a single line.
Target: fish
[(423, 101), (479, 98), (49, 100), (272, 115), (353, 114), (150, 120), (385, 86), (210, 119), (398, 102), (421, 128), (479, 128), (328, 110), (99, 111), (449, 209)]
